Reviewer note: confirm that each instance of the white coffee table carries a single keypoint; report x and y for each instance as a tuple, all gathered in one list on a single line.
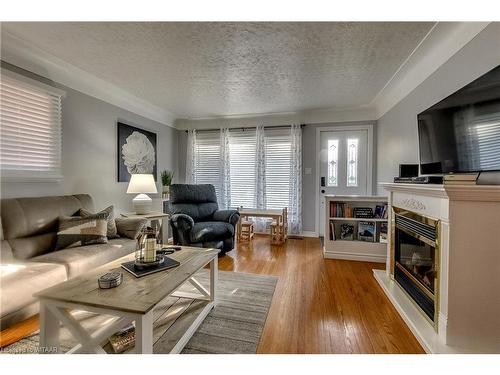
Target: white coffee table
[(134, 300)]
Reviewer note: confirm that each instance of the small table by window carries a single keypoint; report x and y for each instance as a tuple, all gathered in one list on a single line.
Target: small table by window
[(274, 214)]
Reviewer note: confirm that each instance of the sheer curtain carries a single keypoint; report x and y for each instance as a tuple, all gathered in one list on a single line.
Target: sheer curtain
[(260, 177), (277, 163), (295, 205), (191, 157), (225, 173)]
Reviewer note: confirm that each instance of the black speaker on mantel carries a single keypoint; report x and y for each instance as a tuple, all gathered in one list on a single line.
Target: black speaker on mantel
[(408, 170)]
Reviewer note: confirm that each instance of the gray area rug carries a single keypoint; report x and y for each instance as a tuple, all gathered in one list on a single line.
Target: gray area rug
[(234, 326)]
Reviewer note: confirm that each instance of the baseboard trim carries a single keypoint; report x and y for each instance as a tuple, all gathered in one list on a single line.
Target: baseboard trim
[(355, 256), (310, 234), (303, 234)]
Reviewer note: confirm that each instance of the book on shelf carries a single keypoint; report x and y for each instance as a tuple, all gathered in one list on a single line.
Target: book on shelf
[(366, 231), (347, 232), (363, 212), (383, 233), (381, 211), (123, 339), (332, 231), (460, 182), (340, 209), (460, 179)]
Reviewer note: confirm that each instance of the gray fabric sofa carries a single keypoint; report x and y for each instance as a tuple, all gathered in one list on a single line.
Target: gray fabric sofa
[(28, 260), (196, 219)]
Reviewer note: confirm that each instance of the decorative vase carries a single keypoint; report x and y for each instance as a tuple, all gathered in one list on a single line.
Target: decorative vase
[(166, 192)]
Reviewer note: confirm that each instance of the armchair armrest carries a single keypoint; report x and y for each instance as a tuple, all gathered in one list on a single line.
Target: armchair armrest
[(227, 216), (182, 222)]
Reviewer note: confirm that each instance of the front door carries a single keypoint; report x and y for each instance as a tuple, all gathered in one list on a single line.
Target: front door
[(343, 166)]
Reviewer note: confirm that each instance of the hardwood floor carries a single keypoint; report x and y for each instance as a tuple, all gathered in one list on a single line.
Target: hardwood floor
[(18, 331), (319, 306)]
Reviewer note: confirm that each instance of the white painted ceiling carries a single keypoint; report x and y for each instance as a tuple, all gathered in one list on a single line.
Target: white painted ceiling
[(197, 70)]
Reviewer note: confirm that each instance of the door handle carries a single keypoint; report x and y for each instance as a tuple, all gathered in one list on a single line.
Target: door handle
[(323, 191)]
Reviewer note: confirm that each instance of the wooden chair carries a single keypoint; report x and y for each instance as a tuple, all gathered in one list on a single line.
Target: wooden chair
[(246, 231), (279, 231)]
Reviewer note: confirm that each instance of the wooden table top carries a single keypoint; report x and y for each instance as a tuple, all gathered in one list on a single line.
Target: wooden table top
[(260, 212), (150, 215), (135, 295)]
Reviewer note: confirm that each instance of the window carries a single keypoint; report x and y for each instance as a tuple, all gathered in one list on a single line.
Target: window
[(278, 163), (352, 162), (333, 159), (30, 128), (242, 148), (243, 161), (208, 160)]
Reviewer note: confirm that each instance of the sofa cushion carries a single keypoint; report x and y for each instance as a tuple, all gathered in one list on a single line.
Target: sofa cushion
[(34, 221), (206, 231), (81, 231), (21, 280), (129, 227), (111, 232), (5, 252), (29, 247), (78, 260)]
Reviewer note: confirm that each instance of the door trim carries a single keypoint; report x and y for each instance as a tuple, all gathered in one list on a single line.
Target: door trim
[(369, 162)]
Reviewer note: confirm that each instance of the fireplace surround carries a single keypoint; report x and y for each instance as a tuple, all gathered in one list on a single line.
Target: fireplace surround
[(442, 270)]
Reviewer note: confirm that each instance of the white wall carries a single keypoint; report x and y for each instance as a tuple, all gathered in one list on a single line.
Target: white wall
[(89, 154), (397, 138)]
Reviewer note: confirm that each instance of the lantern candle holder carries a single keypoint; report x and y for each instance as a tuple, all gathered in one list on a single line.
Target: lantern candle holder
[(145, 251)]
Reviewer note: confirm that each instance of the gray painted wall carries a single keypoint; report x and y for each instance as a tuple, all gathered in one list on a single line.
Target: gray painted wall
[(89, 154), (397, 129)]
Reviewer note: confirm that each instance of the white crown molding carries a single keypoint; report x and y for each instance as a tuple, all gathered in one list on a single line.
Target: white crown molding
[(317, 116), (25, 55), (442, 42)]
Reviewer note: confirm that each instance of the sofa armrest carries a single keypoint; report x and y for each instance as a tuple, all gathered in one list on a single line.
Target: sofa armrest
[(182, 222), (227, 216)]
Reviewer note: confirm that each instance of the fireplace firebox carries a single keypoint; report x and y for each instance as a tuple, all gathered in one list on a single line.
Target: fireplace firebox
[(416, 259)]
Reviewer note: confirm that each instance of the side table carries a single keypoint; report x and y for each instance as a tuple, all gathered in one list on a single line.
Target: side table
[(159, 220)]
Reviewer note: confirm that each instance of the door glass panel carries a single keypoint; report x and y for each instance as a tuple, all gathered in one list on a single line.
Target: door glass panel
[(352, 162), (333, 159)]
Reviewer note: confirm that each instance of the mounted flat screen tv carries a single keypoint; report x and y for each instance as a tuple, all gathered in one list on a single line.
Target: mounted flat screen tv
[(461, 133)]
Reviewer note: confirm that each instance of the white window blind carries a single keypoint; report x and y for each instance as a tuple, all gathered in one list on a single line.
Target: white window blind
[(30, 129), (242, 150), (208, 160), (278, 163), (242, 166)]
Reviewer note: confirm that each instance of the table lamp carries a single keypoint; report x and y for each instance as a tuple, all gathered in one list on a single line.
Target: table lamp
[(141, 184)]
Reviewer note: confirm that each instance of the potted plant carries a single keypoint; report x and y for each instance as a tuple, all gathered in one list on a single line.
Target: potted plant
[(166, 181)]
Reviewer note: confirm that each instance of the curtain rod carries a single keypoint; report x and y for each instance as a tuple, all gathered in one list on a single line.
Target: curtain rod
[(248, 127)]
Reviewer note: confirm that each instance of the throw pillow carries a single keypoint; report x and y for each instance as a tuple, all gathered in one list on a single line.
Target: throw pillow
[(81, 231), (111, 232), (130, 227)]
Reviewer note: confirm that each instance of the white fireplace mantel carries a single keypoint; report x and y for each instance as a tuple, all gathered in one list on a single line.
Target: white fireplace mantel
[(469, 277)]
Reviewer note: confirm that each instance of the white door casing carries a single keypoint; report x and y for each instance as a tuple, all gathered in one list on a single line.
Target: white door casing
[(364, 135)]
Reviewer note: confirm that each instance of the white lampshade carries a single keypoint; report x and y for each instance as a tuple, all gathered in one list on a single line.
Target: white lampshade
[(141, 183)]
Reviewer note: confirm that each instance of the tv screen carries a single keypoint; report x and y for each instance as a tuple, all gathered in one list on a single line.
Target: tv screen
[(461, 133)]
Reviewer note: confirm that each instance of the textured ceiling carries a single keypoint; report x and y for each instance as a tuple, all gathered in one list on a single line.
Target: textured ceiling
[(213, 69)]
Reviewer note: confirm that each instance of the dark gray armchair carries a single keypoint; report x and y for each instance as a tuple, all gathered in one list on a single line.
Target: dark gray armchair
[(196, 219)]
